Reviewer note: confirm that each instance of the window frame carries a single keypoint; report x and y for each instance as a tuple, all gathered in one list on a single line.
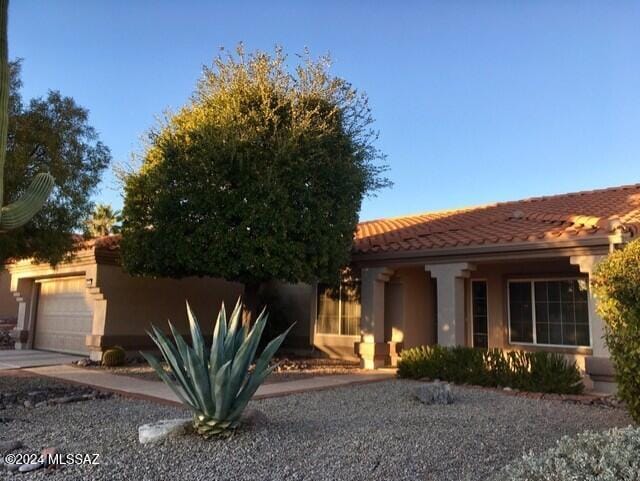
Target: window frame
[(532, 281), (471, 314), (333, 334)]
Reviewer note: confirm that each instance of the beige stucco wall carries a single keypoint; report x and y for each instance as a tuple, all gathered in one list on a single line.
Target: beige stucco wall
[(134, 303), (410, 308), (8, 304)]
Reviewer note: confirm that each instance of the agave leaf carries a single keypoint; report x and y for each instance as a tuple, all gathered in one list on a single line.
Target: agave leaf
[(234, 324), (250, 388), (173, 359), (246, 353), (196, 334), (260, 373), (223, 395), (153, 362), (200, 378), (216, 357), (263, 361), (181, 346)]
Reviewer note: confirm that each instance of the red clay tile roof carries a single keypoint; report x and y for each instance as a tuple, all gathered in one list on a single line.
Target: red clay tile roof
[(540, 219)]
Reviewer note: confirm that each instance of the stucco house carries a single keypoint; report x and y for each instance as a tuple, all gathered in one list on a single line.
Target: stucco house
[(507, 275), (90, 303)]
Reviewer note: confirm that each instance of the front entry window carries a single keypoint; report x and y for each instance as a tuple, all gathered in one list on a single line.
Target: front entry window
[(549, 312), (479, 311), (339, 309)]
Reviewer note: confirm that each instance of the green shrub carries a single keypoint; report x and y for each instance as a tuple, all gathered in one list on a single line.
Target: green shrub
[(608, 456), (215, 383), (527, 371), (551, 373), (616, 284)]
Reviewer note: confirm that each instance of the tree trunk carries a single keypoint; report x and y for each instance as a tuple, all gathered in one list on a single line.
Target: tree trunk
[(250, 303)]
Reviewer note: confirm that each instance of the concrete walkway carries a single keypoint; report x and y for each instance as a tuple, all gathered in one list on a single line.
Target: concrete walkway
[(21, 358), (158, 391)]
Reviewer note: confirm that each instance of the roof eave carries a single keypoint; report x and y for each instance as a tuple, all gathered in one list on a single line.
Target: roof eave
[(506, 248)]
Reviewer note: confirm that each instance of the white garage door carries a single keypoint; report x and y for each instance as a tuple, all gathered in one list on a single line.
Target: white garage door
[(64, 315)]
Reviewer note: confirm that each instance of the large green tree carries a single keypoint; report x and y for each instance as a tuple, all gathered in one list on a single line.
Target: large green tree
[(50, 134), (259, 177)]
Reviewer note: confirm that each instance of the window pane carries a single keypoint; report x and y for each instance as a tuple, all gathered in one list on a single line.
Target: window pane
[(542, 314), (553, 291), (566, 309), (568, 312), (555, 312), (542, 332), (520, 310), (479, 309), (569, 334), (555, 333), (350, 309), (541, 291), (328, 314), (566, 292), (480, 340), (582, 334)]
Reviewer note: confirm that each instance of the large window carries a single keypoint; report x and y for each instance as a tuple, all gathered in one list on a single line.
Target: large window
[(549, 312), (339, 309)]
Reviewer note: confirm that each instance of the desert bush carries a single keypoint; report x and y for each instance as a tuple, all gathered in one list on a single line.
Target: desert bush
[(607, 456), (527, 371), (616, 284)]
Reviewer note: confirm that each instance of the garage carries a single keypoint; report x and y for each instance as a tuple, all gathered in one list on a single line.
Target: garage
[(64, 315)]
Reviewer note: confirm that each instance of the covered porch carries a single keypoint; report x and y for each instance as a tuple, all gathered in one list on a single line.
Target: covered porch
[(530, 301)]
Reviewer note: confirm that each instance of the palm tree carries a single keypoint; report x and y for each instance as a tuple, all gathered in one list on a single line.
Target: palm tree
[(103, 221)]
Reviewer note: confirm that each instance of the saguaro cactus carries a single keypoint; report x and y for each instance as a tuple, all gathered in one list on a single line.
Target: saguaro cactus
[(20, 212)]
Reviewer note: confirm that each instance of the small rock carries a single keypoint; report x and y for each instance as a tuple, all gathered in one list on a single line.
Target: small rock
[(150, 433), (25, 468), (84, 362), (253, 417), (41, 404), (47, 454), (508, 389), (12, 467), (434, 393), (28, 404)]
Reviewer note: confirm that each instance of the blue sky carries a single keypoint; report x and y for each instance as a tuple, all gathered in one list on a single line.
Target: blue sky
[(475, 101)]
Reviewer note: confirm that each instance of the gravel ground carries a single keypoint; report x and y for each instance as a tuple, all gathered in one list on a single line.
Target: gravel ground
[(370, 431), (289, 371)]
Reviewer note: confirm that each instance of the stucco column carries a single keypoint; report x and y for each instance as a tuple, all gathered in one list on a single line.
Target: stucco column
[(587, 265), (450, 293), (372, 349)]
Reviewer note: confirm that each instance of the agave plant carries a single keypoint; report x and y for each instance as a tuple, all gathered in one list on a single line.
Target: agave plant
[(215, 383)]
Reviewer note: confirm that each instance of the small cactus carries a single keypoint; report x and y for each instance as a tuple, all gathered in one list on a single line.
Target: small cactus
[(20, 212), (114, 356)]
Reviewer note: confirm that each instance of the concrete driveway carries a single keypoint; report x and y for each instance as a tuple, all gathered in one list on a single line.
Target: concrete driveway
[(18, 359)]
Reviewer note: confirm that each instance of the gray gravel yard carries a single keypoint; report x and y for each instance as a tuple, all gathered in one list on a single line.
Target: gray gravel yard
[(371, 431)]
